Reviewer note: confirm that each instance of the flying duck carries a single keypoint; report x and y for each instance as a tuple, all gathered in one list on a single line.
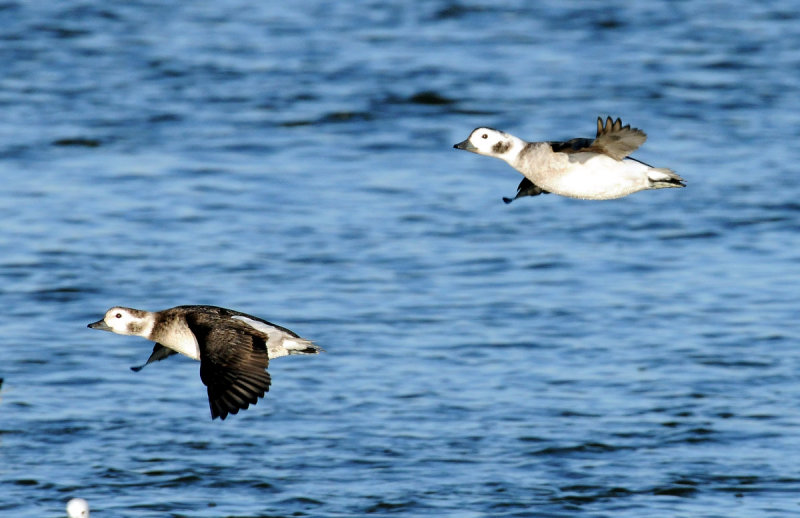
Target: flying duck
[(590, 169), (234, 348)]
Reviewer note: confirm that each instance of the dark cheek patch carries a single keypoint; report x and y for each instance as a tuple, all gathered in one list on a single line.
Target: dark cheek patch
[(501, 147), (134, 327)]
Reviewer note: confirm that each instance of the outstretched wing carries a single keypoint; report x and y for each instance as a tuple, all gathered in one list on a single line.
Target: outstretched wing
[(616, 140), (526, 188), (613, 139), (159, 353), (233, 366)]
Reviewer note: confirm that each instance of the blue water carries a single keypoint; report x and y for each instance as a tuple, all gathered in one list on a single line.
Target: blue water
[(548, 358)]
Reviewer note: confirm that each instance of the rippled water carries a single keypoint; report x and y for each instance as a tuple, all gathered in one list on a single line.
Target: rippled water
[(549, 358)]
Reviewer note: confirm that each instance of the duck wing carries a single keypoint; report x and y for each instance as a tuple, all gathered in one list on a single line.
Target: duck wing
[(526, 188), (615, 140), (572, 145), (159, 353), (233, 366)]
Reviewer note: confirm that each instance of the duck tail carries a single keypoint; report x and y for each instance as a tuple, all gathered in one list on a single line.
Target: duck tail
[(301, 346), (661, 178)]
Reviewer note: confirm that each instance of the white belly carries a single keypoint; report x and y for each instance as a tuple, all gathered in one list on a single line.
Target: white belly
[(597, 178)]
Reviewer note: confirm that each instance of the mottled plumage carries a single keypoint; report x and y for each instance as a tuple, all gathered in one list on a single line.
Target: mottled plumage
[(234, 348), (594, 169)]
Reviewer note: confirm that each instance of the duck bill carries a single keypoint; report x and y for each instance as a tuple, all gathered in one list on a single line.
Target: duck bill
[(466, 146), (101, 325)]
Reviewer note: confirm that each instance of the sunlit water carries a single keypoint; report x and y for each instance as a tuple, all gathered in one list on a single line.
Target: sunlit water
[(549, 358)]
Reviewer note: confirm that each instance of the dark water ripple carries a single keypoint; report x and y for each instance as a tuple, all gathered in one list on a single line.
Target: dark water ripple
[(549, 358)]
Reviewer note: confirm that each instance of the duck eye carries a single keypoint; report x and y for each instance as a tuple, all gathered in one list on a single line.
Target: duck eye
[(118, 315), (484, 136)]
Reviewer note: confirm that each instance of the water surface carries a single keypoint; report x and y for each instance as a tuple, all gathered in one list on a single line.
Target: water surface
[(549, 358)]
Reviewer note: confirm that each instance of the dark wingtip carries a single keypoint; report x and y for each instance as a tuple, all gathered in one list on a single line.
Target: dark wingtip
[(218, 412), (222, 415)]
